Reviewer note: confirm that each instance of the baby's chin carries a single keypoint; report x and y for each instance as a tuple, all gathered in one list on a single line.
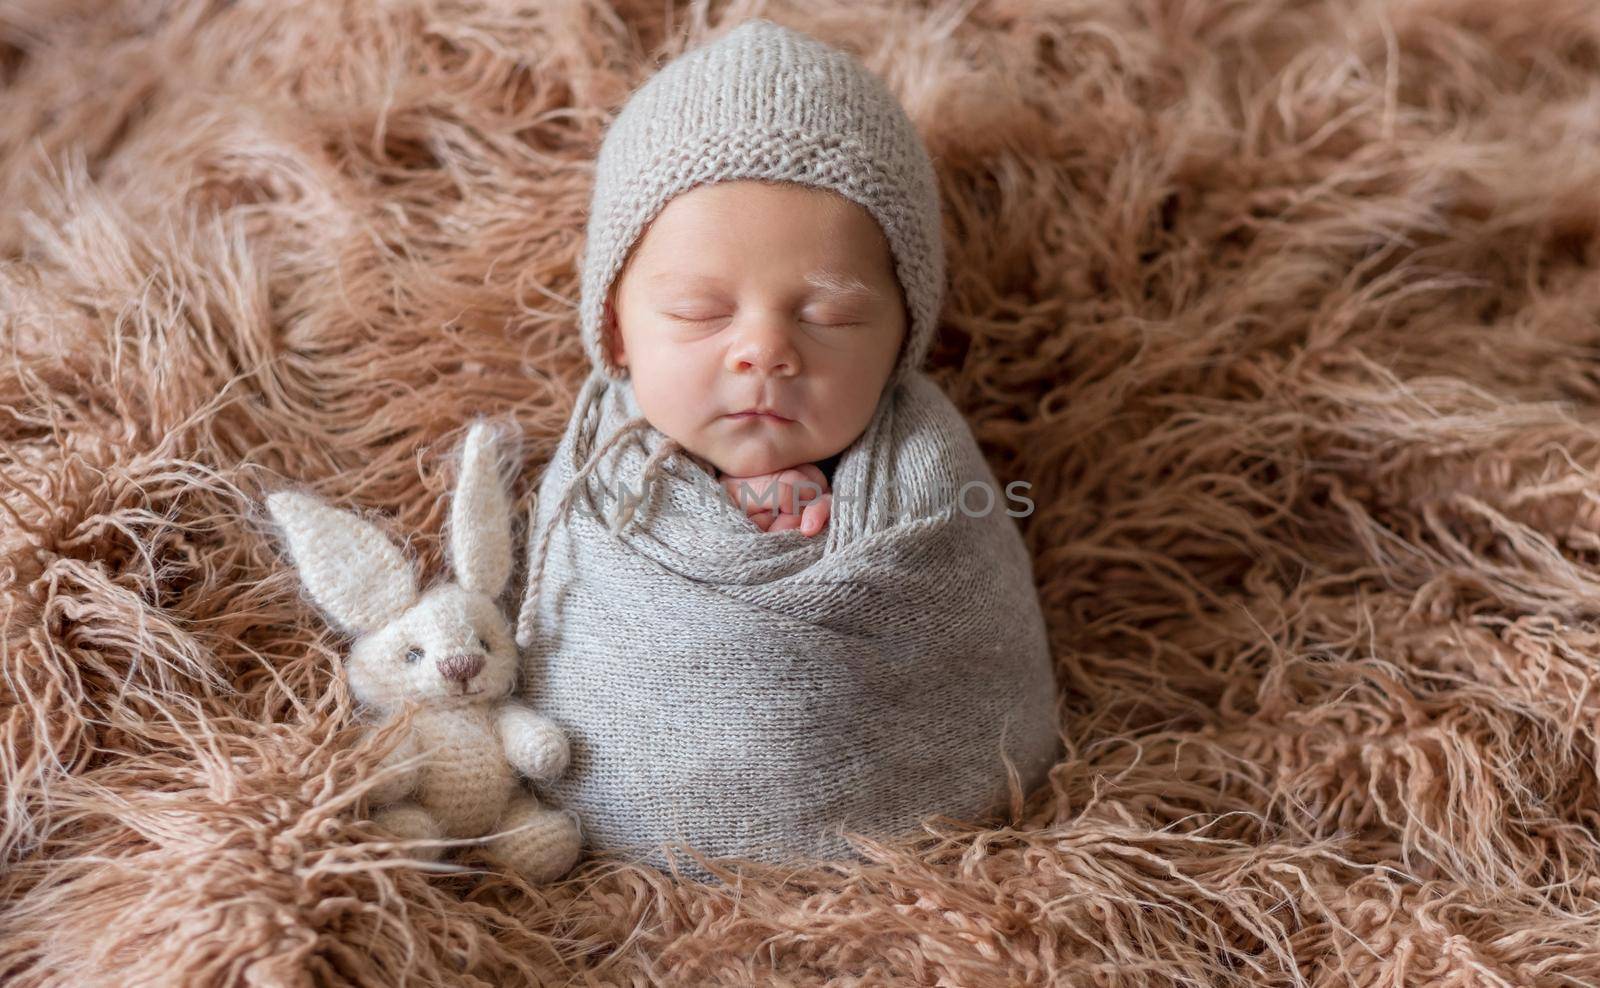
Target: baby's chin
[(740, 464), (753, 449), (754, 459)]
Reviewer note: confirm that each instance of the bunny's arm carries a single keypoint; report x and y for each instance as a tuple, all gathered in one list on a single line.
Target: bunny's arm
[(534, 744), (401, 785)]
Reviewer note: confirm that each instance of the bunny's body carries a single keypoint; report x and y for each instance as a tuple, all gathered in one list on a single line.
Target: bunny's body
[(468, 787), (448, 650)]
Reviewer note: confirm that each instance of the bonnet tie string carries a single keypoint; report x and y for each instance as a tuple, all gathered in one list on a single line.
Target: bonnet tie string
[(652, 469)]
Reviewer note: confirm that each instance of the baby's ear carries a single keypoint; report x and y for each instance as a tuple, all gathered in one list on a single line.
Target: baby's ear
[(359, 578), (611, 335)]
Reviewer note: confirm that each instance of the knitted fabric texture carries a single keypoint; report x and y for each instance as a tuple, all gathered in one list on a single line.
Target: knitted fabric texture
[(753, 693), (766, 102)]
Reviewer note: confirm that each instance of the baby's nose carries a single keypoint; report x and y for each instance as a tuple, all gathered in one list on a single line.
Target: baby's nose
[(462, 666), (764, 347), (770, 361)]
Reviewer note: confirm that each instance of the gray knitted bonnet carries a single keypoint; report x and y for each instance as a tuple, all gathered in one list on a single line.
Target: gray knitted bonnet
[(766, 102)]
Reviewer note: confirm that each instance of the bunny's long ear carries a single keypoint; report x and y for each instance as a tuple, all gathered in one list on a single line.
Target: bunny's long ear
[(356, 575), (480, 516)]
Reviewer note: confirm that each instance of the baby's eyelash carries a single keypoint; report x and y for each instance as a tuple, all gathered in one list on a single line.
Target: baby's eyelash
[(825, 325)]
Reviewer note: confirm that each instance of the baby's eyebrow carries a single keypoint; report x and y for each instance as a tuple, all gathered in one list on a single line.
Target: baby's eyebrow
[(836, 283)]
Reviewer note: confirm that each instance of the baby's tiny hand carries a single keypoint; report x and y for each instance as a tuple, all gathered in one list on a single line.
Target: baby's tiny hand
[(783, 499)]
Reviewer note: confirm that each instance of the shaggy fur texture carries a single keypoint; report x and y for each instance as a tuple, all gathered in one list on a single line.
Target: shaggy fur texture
[(1286, 310)]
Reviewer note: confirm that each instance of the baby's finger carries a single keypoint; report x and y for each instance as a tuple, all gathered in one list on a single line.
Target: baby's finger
[(814, 474), (815, 518), (800, 487), (784, 523), (751, 494), (763, 519)]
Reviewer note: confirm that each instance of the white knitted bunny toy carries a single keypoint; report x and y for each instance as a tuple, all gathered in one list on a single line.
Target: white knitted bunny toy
[(450, 650)]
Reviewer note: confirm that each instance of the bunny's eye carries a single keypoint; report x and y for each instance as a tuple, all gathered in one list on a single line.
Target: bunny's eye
[(414, 654), (484, 642)]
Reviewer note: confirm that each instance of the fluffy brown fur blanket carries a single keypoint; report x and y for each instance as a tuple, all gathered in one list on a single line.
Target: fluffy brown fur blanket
[(1286, 310)]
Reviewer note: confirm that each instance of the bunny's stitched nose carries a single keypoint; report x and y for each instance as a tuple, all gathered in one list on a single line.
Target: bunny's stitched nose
[(461, 666)]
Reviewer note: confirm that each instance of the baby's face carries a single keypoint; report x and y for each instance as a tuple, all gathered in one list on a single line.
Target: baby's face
[(748, 294)]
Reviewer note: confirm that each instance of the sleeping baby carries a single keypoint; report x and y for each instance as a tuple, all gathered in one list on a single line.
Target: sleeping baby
[(770, 597)]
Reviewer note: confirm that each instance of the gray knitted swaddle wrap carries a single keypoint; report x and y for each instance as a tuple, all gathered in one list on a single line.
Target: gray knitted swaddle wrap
[(755, 693)]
